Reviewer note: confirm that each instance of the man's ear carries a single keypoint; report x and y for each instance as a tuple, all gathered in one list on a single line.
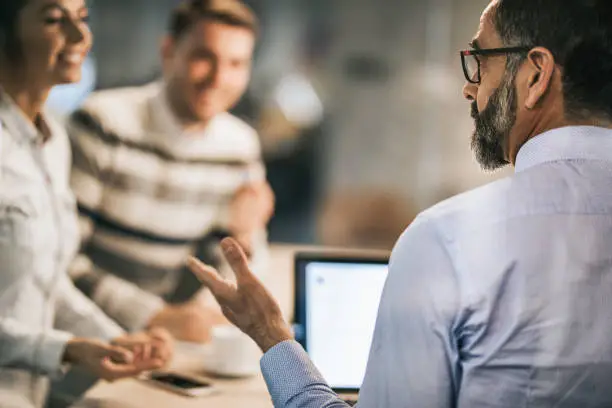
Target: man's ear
[(541, 65), (167, 49)]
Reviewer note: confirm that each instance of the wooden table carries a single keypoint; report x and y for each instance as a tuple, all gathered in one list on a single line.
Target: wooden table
[(251, 392)]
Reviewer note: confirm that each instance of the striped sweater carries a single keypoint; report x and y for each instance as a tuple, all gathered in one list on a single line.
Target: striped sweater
[(150, 194)]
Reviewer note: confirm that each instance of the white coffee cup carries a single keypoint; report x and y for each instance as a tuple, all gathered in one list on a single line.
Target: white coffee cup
[(231, 353)]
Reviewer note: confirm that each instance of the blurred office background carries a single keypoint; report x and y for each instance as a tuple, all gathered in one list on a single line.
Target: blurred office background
[(358, 104)]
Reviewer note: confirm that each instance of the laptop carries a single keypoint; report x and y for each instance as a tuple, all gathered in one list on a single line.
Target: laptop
[(336, 304)]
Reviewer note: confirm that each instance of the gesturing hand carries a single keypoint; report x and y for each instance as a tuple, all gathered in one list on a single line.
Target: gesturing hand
[(246, 302)]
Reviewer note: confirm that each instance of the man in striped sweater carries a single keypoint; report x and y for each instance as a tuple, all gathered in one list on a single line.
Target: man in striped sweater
[(163, 171)]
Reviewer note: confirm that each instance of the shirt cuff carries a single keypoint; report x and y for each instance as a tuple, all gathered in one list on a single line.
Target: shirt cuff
[(50, 353), (288, 371)]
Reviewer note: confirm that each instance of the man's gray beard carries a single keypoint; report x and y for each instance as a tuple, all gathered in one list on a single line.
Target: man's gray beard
[(493, 125)]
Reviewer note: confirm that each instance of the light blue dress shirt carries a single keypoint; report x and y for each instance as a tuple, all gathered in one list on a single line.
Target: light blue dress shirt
[(500, 297)]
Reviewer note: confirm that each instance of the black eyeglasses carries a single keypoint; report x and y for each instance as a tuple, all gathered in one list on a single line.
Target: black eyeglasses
[(471, 63)]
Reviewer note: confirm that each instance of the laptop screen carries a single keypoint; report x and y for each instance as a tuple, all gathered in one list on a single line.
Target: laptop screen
[(336, 308)]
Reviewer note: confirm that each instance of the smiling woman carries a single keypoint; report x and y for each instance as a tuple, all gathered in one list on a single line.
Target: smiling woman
[(45, 322), (50, 39)]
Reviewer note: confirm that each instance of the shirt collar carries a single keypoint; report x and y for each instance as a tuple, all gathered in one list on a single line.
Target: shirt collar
[(165, 129), (17, 123), (566, 143), (164, 120)]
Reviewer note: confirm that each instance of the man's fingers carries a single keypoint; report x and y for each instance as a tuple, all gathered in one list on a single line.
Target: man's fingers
[(161, 352), (207, 275), (118, 355), (159, 333), (163, 343), (236, 258), (112, 371), (154, 363), (250, 188), (146, 351), (137, 352)]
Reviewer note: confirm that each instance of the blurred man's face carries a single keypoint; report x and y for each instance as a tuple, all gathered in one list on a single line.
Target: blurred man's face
[(494, 100), (208, 70)]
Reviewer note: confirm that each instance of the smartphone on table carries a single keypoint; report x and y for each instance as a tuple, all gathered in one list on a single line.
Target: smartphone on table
[(182, 384)]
